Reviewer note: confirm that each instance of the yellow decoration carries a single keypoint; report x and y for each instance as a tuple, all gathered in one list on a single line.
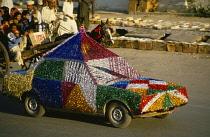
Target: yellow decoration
[(85, 48), (157, 104), (16, 84), (77, 102), (177, 101), (139, 91), (172, 84)]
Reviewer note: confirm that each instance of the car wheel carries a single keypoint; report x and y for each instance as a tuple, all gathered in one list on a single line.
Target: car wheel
[(118, 115), (33, 106), (162, 116)]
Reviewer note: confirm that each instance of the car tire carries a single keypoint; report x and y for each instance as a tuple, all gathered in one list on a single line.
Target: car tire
[(33, 106), (118, 115), (162, 116)]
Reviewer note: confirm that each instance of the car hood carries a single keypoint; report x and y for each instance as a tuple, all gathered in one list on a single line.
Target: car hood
[(147, 86), (156, 95)]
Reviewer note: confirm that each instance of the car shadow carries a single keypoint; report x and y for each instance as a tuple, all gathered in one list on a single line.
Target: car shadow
[(11, 107), (97, 120), (16, 108)]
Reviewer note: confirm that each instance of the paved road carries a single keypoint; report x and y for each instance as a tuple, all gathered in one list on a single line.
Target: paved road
[(191, 71)]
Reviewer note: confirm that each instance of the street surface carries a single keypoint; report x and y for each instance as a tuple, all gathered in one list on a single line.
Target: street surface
[(191, 120)]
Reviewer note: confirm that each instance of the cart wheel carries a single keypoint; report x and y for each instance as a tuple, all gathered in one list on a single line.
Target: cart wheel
[(4, 61)]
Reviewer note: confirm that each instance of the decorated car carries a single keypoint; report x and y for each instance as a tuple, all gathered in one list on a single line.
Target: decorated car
[(83, 76)]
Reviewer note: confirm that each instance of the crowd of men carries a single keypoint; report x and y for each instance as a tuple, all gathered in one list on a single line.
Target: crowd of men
[(17, 25)]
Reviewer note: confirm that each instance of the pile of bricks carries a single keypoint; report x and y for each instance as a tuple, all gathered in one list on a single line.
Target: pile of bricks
[(179, 28), (160, 45)]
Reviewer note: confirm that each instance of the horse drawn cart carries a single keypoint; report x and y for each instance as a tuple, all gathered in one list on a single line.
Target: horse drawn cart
[(28, 55)]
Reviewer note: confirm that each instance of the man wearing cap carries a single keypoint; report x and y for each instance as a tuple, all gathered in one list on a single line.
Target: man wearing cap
[(49, 18), (83, 12), (35, 19)]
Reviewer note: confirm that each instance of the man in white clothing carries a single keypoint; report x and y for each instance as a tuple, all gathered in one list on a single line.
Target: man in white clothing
[(68, 25), (7, 3), (49, 19)]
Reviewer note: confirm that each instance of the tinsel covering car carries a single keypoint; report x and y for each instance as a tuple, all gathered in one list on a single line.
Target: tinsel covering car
[(83, 76)]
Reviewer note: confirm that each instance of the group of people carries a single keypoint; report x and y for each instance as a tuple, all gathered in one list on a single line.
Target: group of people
[(17, 25)]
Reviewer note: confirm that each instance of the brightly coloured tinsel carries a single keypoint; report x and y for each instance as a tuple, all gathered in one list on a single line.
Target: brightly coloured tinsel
[(17, 83), (81, 75)]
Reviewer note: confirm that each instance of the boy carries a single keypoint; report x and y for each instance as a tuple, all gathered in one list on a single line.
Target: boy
[(16, 43), (25, 26), (25, 22), (5, 26)]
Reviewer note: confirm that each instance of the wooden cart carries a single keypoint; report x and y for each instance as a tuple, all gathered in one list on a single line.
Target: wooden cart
[(28, 55)]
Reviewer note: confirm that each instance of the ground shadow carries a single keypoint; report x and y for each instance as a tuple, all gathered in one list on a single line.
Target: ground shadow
[(97, 120), (17, 108)]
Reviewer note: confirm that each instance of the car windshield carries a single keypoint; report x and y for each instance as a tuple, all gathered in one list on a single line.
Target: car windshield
[(112, 69)]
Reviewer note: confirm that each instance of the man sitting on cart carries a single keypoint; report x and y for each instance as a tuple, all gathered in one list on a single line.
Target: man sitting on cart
[(16, 43)]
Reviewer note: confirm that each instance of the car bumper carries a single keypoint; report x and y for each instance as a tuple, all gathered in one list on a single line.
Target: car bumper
[(152, 114)]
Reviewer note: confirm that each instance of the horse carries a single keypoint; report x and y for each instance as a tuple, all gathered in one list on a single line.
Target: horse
[(51, 30), (103, 34)]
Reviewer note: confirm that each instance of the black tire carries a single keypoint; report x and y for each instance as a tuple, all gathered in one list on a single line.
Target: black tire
[(4, 60), (33, 106), (163, 116), (118, 115)]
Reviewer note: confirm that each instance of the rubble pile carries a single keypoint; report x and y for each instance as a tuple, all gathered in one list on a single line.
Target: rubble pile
[(160, 24)]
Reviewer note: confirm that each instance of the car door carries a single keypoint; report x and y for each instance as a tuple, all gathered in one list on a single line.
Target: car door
[(78, 88), (47, 82)]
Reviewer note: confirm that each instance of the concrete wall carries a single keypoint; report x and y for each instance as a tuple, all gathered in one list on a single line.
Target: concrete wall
[(172, 6), (105, 4), (163, 5), (112, 4), (122, 5)]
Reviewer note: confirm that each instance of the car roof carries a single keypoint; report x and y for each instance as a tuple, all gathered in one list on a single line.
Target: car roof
[(103, 64)]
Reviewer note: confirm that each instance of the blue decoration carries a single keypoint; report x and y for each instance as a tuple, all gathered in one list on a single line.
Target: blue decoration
[(71, 49), (123, 86), (49, 91), (121, 82)]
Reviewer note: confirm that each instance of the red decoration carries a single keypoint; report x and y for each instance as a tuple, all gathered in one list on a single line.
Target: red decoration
[(139, 82), (145, 99), (158, 87), (183, 91), (66, 90), (94, 50)]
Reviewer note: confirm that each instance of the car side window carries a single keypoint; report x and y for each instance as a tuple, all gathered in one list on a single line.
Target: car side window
[(77, 72), (50, 69)]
